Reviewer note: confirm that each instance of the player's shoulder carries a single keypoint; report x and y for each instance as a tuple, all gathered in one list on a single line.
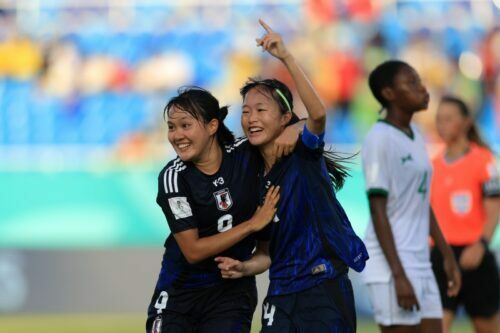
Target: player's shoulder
[(174, 165), (481, 153), (168, 178), (377, 134), (240, 144)]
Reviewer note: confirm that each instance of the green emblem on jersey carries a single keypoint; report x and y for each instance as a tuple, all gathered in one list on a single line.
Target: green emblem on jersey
[(406, 158)]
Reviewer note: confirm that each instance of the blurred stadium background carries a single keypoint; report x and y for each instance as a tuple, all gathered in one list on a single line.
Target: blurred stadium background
[(82, 87)]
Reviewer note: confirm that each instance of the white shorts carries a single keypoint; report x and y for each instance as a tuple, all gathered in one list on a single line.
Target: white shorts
[(385, 304)]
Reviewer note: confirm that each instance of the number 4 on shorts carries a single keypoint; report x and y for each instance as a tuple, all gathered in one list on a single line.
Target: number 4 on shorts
[(161, 302), (269, 313)]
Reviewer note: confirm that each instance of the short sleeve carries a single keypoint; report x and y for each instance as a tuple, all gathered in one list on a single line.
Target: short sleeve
[(312, 141), (310, 145), (175, 200), (375, 166), (490, 177)]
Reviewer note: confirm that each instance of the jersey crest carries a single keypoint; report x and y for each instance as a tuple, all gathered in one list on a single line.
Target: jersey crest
[(223, 199), (461, 202)]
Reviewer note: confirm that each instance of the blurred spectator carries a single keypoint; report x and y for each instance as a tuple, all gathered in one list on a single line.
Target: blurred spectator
[(61, 69), (163, 72), (20, 58), (92, 55)]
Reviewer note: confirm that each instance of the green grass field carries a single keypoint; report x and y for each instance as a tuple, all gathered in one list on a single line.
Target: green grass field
[(121, 323)]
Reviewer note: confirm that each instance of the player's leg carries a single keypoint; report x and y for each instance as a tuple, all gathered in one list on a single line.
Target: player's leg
[(169, 322), (276, 314), (229, 307), (328, 307), (171, 311), (448, 317), (431, 325), (482, 295), (486, 325)]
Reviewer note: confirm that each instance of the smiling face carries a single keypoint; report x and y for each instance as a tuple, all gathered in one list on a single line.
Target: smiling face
[(407, 91), (189, 136), (261, 118), (450, 122)]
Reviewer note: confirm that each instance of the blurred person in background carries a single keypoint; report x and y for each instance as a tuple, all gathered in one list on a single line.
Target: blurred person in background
[(402, 287), (465, 196)]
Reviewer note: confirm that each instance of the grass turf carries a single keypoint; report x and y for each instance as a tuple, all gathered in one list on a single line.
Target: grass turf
[(124, 323)]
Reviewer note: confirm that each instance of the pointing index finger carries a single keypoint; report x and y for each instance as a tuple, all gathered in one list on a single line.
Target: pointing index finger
[(265, 26)]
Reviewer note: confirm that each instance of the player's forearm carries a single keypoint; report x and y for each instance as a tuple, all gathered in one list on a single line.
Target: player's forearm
[(438, 238), (258, 264), (315, 108), (384, 234), (492, 208), (206, 247)]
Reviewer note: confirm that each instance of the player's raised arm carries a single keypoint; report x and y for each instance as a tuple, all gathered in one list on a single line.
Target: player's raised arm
[(272, 42)]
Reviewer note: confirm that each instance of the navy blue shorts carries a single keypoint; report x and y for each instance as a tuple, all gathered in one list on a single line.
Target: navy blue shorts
[(327, 307), (225, 308)]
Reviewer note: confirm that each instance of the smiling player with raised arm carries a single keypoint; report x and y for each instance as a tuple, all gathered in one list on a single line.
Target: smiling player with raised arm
[(312, 243)]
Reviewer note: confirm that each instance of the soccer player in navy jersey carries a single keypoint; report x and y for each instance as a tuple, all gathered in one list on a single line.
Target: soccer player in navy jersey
[(312, 243), (211, 209)]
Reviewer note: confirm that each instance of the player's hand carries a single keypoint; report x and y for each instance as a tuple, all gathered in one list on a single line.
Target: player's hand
[(230, 268), (405, 293), (453, 275), (286, 142), (265, 213), (472, 256), (272, 42)]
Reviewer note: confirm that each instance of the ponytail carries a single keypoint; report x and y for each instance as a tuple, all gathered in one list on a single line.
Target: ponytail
[(224, 135), (474, 136), (337, 170)]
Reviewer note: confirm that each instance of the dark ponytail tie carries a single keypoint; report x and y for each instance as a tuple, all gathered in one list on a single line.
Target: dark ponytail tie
[(223, 113)]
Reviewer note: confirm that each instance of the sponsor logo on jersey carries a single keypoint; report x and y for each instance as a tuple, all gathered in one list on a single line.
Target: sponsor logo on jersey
[(406, 158), (180, 207), (157, 325), (223, 199), (461, 202), (318, 269), (218, 181)]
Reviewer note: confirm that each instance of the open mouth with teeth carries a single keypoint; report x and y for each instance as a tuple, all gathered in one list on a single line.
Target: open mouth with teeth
[(253, 130), (183, 146)]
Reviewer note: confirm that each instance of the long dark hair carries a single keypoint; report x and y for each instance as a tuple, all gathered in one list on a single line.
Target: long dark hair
[(203, 106), (473, 132), (334, 161), (383, 76)]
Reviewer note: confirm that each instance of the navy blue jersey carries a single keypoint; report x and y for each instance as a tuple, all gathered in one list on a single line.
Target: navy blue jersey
[(212, 204), (311, 238)]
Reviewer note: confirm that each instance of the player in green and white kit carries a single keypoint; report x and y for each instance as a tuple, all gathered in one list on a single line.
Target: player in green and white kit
[(402, 287)]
